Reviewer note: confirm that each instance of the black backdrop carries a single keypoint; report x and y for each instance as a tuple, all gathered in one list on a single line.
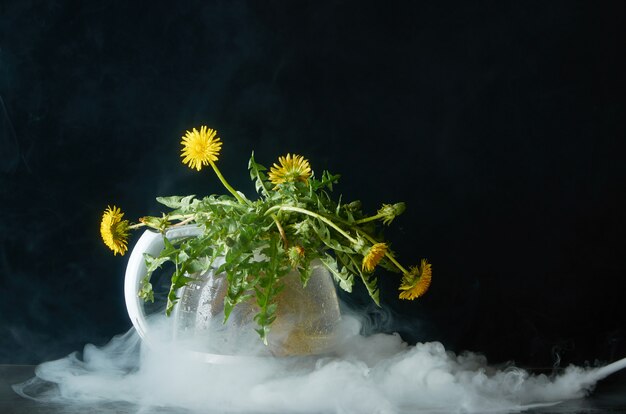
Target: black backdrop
[(501, 124)]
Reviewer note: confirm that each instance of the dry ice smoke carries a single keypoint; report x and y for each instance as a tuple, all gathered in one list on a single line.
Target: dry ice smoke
[(375, 374)]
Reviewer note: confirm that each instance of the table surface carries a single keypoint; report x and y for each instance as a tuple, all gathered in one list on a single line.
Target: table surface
[(608, 397), (12, 403)]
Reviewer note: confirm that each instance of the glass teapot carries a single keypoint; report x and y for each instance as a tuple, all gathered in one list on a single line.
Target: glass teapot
[(306, 319)]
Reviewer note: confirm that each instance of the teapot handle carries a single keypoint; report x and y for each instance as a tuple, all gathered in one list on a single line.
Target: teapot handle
[(150, 242)]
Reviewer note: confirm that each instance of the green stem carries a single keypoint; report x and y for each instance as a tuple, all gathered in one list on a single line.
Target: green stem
[(228, 186), (180, 216), (374, 241), (185, 221), (317, 216), (372, 218), (227, 203), (280, 230), (185, 218)]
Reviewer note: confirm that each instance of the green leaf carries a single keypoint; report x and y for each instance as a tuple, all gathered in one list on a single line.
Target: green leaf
[(157, 223), (170, 250), (338, 208), (171, 201), (369, 280), (257, 175), (200, 265), (371, 283), (263, 331), (229, 304), (182, 256), (172, 300), (146, 292), (154, 263), (343, 277), (325, 236), (180, 204), (305, 273)]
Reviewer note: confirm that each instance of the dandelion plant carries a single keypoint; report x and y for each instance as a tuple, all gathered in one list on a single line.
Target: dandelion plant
[(293, 221)]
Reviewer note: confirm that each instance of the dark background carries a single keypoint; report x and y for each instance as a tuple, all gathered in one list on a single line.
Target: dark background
[(501, 124)]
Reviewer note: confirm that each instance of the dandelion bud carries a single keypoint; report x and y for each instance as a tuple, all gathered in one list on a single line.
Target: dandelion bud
[(295, 254), (353, 206), (390, 211)]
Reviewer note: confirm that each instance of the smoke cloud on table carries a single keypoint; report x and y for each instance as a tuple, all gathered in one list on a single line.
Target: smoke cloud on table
[(379, 373)]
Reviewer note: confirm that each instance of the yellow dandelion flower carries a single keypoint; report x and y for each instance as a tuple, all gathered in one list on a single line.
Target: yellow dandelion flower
[(416, 282), (291, 169), (114, 230), (373, 256), (200, 147)]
